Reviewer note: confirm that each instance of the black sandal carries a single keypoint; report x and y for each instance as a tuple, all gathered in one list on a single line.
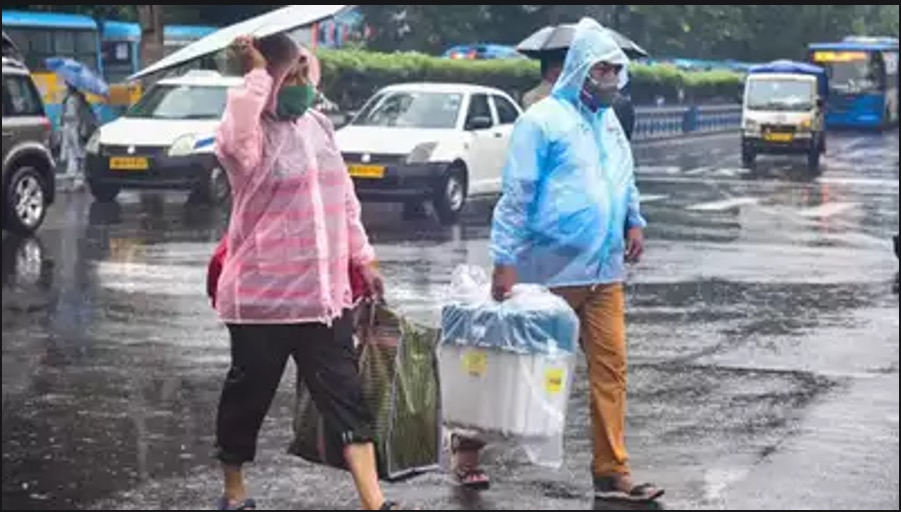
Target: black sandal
[(390, 505), (609, 489)]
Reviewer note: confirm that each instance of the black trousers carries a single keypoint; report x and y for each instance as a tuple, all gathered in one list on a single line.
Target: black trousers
[(325, 359)]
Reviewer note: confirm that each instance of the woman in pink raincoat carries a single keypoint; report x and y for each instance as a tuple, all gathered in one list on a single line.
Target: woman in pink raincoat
[(284, 290)]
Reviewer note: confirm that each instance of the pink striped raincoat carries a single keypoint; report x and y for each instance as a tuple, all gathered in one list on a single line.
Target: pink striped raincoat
[(295, 225)]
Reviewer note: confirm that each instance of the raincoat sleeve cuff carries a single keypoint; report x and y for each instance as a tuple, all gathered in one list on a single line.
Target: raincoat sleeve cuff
[(636, 220), (503, 260), (366, 257)]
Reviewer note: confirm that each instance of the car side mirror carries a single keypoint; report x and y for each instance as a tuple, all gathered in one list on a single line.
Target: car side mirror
[(339, 119), (479, 123)]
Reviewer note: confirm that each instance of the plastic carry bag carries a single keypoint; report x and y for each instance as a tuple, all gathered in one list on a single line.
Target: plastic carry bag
[(507, 367), (397, 363)]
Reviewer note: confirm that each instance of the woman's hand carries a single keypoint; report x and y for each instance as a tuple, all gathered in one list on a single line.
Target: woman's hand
[(375, 284), (246, 47)]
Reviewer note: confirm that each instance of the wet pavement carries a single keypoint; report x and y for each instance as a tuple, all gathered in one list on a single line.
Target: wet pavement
[(764, 345)]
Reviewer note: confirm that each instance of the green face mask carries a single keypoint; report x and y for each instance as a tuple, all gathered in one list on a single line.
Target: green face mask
[(293, 101)]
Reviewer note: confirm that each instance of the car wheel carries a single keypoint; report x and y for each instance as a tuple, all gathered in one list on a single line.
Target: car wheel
[(216, 190), (104, 193), (25, 203), (748, 159), (451, 195)]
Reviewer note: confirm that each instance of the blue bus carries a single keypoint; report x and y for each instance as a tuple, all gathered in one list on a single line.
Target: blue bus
[(40, 35), (121, 43), (863, 81)]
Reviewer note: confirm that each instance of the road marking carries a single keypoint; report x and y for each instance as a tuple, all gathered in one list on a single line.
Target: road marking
[(888, 186), (721, 206), (731, 172), (667, 170), (859, 181), (827, 210), (651, 198), (699, 170)]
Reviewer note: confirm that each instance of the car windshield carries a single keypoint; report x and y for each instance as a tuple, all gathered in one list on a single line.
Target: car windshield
[(781, 95), (181, 102), (403, 109)]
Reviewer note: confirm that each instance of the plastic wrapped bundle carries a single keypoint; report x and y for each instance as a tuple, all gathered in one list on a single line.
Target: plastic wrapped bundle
[(506, 368)]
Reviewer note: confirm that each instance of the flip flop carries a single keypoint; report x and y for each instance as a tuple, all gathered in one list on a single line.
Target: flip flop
[(607, 489), (469, 477), (473, 479), (393, 506)]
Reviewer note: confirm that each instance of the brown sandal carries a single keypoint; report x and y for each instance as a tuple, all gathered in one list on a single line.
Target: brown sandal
[(468, 476)]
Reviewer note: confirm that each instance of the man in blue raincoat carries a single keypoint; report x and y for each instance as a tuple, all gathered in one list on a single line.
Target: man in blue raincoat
[(569, 219)]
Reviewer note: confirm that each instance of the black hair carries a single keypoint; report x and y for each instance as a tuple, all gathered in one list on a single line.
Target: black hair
[(552, 60), (278, 49)]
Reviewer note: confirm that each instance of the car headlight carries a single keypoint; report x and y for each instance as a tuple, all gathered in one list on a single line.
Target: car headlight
[(422, 153), (752, 126), (806, 125), (183, 145), (93, 145)]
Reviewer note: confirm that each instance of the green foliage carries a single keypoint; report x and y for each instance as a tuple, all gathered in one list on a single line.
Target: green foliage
[(351, 76)]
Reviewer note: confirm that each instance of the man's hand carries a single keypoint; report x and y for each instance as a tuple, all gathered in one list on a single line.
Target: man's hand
[(375, 285), (246, 47), (634, 245), (502, 282)]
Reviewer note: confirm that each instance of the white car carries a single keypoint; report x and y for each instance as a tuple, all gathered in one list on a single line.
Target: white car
[(430, 143), (165, 141)]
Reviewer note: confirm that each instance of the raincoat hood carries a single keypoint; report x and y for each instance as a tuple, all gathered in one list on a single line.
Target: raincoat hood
[(592, 43)]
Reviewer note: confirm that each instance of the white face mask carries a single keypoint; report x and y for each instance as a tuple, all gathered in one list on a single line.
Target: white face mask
[(600, 93), (607, 82)]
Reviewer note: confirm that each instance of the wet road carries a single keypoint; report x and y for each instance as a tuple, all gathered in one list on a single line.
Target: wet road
[(764, 340)]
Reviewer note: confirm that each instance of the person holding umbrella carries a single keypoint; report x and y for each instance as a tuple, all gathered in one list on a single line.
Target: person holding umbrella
[(550, 44), (284, 290), (551, 67), (78, 121)]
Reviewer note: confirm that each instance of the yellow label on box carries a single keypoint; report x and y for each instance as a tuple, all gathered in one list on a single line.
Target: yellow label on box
[(475, 362), (555, 381)]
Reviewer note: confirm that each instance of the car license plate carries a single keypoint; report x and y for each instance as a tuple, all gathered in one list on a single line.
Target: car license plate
[(129, 164), (372, 172), (779, 137)]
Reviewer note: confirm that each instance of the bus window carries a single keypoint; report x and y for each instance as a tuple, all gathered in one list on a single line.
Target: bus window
[(852, 72), (40, 44)]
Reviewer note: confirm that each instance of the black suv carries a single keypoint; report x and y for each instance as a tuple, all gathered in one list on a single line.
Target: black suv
[(29, 184)]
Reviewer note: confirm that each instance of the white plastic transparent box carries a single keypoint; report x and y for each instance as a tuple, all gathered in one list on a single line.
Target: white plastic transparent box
[(507, 367)]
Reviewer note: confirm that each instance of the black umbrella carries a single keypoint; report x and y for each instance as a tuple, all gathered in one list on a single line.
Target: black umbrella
[(559, 38)]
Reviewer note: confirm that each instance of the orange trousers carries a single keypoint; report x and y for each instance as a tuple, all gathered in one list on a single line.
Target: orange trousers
[(602, 313)]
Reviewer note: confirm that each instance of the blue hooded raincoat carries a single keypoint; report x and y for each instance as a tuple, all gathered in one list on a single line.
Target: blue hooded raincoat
[(569, 193)]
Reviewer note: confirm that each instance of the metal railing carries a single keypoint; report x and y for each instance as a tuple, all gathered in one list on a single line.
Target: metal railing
[(667, 122)]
